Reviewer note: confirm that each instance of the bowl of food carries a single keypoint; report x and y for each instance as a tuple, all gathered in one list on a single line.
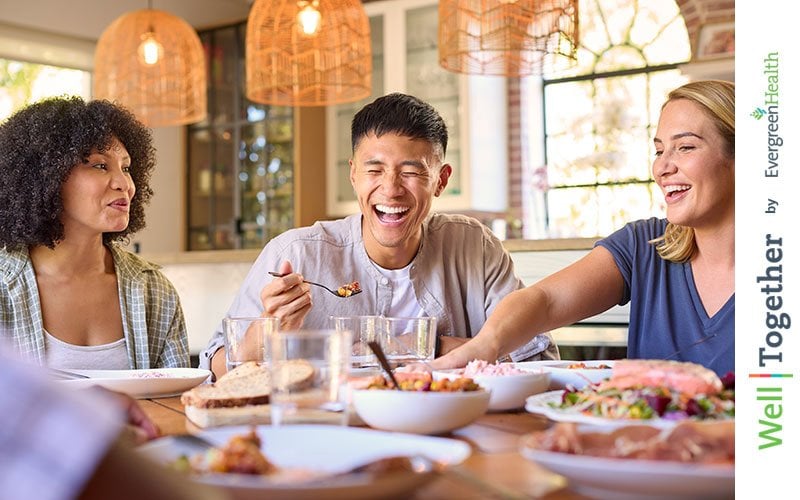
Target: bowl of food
[(576, 374), (509, 386), (422, 406)]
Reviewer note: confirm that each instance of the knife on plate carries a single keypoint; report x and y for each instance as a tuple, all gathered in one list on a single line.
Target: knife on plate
[(65, 374)]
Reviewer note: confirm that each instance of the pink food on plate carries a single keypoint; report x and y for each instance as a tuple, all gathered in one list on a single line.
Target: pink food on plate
[(480, 367), (688, 378)]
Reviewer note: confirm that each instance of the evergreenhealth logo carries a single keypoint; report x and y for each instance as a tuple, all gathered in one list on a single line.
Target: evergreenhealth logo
[(770, 281)]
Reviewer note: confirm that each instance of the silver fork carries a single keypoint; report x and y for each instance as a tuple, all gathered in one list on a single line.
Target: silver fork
[(193, 440), (335, 292)]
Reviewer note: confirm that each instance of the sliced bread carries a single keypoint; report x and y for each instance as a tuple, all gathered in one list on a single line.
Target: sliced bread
[(295, 375), (248, 384), (215, 417)]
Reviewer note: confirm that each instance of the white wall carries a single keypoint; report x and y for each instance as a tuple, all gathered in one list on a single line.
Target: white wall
[(532, 266), (206, 292), (165, 231), (24, 44)]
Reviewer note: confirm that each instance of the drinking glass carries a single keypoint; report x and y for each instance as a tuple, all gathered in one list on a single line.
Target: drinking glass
[(309, 370), (408, 340), (363, 329), (247, 339)]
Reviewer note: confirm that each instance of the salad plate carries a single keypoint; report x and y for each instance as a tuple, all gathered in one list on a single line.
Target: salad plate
[(656, 406), (545, 404)]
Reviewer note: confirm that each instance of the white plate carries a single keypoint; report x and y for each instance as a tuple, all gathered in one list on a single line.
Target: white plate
[(540, 404), (150, 383), (636, 479), (322, 448), (561, 376)]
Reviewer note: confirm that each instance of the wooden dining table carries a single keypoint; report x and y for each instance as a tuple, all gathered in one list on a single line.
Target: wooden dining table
[(495, 469)]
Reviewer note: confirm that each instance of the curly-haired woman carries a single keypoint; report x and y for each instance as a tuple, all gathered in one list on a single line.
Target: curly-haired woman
[(74, 181)]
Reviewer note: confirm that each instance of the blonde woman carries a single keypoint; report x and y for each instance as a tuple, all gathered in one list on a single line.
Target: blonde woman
[(677, 273)]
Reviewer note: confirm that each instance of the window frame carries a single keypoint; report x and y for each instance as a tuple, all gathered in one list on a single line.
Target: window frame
[(540, 145), (580, 78)]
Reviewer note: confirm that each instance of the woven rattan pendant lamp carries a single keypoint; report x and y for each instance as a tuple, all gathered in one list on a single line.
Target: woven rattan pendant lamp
[(152, 62), (507, 37), (308, 53)]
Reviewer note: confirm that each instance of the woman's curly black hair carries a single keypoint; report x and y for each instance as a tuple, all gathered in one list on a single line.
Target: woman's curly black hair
[(40, 145)]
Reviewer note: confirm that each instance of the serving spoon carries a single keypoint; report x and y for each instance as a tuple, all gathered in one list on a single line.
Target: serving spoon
[(344, 291), (376, 348)]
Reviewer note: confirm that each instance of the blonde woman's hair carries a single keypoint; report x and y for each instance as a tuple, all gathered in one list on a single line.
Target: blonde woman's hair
[(716, 98)]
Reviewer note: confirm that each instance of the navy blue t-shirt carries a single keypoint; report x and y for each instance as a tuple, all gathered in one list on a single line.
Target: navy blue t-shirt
[(667, 319)]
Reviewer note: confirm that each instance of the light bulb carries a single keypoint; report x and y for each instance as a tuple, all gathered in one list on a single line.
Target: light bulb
[(309, 19), (150, 51)]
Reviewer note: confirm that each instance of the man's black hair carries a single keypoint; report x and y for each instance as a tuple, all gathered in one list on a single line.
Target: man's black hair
[(402, 114)]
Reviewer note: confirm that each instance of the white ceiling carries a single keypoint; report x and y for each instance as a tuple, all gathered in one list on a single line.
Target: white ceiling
[(87, 19)]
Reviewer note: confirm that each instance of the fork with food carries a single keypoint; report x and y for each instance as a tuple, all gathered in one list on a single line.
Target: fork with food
[(344, 291)]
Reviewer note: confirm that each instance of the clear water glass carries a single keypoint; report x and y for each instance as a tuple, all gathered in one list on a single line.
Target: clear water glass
[(247, 339)]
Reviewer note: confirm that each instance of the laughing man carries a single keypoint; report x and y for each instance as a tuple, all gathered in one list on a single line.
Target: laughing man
[(408, 261)]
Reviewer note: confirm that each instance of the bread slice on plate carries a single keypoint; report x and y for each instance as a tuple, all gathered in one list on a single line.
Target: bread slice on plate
[(242, 395), (247, 384), (294, 375), (216, 417)]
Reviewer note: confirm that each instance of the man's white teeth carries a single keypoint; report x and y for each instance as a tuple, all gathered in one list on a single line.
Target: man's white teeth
[(391, 210), (672, 189)]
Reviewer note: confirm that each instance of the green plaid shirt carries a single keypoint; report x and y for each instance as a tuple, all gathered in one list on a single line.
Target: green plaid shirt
[(152, 318)]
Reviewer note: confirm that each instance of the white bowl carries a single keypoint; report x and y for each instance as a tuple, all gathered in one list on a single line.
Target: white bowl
[(561, 376), (508, 392), (419, 412)]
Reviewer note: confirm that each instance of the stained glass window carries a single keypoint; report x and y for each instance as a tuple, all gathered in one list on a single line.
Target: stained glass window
[(600, 117)]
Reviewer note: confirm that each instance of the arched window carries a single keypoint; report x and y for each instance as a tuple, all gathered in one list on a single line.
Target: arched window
[(598, 120)]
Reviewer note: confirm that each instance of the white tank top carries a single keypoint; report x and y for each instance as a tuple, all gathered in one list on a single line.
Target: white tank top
[(60, 354), (404, 302)]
